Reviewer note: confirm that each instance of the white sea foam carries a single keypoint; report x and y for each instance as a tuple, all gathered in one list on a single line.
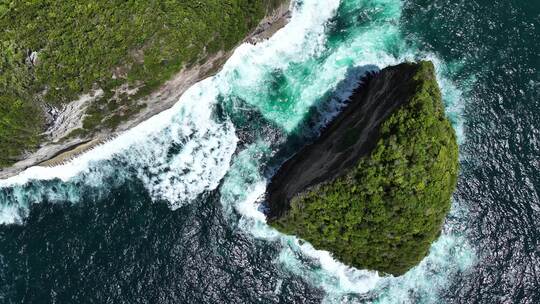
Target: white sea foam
[(204, 149), (10, 214), (251, 69)]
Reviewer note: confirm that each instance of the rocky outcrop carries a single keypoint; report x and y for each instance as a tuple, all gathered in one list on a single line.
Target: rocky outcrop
[(375, 187)]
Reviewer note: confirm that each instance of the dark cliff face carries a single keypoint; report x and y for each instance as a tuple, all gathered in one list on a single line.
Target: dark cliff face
[(375, 188), (333, 152)]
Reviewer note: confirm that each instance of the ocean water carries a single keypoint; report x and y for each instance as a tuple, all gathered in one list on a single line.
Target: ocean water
[(173, 210)]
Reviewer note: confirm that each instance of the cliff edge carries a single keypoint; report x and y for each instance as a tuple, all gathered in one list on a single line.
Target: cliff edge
[(57, 102), (375, 187)]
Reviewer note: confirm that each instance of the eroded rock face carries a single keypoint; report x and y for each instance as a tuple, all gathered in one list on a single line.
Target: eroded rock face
[(375, 188)]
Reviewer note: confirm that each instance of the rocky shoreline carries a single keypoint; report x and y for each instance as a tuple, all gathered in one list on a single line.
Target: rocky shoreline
[(56, 151)]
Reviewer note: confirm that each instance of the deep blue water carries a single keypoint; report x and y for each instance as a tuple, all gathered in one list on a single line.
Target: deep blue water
[(165, 222), (498, 42)]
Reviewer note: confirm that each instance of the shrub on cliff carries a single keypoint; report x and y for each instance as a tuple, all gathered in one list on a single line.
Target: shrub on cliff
[(384, 213), (20, 124)]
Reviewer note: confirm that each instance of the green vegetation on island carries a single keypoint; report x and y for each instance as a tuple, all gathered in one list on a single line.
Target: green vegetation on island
[(384, 213), (54, 51)]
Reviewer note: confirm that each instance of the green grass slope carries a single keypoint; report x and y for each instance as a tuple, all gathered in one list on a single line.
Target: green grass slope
[(386, 211)]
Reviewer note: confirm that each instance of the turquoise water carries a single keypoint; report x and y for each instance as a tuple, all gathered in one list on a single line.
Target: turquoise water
[(172, 210)]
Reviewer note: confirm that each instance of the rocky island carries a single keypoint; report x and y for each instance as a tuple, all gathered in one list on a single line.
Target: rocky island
[(375, 187)]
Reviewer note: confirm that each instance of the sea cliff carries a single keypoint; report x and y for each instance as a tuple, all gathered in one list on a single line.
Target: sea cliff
[(122, 63), (375, 187)]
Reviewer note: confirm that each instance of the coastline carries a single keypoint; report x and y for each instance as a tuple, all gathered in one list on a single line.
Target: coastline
[(51, 154)]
